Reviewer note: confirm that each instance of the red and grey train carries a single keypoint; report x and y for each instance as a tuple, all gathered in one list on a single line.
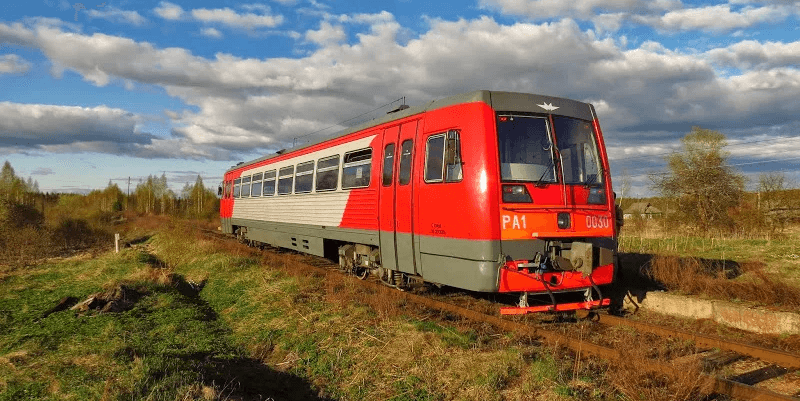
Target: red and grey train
[(486, 191)]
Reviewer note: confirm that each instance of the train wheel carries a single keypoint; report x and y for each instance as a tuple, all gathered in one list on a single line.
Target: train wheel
[(361, 272), (241, 235)]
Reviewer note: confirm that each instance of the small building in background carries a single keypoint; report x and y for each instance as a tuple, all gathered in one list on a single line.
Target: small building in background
[(644, 210)]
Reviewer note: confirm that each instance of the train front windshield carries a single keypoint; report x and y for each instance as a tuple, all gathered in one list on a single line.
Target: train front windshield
[(526, 149)]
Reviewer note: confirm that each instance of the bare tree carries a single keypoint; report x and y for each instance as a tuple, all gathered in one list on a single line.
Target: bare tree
[(700, 180)]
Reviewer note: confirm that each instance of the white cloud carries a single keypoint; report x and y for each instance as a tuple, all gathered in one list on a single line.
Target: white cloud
[(30, 125), (545, 9), (211, 33), (327, 33), (246, 104), (169, 11), (232, 18), (752, 54), (665, 15), (13, 64), (717, 18), (607, 15), (116, 15)]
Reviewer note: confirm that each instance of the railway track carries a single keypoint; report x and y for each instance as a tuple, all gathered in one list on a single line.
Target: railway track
[(716, 352)]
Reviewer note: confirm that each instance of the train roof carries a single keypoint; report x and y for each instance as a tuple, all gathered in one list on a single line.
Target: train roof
[(500, 101)]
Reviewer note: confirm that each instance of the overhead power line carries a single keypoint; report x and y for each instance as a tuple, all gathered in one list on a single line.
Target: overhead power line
[(349, 119)]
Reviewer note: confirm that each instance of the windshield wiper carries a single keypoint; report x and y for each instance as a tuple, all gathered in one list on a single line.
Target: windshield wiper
[(593, 179), (549, 166)]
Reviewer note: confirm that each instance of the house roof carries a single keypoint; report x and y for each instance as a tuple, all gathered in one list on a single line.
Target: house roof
[(642, 208)]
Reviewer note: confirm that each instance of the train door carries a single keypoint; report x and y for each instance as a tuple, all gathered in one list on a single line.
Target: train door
[(404, 205), (397, 228), (386, 200)]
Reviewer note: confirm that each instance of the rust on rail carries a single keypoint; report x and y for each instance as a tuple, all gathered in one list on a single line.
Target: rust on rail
[(781, 358)]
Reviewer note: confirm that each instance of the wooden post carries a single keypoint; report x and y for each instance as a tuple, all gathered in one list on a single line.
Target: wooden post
[(116, 242)]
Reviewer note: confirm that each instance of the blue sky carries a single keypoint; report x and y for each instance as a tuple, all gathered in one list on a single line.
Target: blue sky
[(92, 92)]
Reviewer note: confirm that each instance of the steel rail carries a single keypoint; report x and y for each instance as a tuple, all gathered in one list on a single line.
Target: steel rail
[(785, 359)]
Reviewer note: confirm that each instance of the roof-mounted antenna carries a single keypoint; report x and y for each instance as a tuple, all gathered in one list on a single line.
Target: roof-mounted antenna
[(400, 107)]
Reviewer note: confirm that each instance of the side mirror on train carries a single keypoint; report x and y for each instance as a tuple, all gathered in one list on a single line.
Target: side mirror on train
[(219, 190)]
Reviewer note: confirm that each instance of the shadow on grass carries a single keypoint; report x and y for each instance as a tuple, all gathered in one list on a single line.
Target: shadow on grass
[(635, 274), (249, 379), (175, 336)]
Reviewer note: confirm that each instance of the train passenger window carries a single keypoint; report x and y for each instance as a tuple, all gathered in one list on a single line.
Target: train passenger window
[(245, 187), (285, 180), (304, 179), (388, 164), (256, 186), (237, 188), (328, 173), (356, 168), (443, 158), (404, 175), (269, 183)]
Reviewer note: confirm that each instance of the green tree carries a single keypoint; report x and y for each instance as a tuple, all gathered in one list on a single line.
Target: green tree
[(700, 180)]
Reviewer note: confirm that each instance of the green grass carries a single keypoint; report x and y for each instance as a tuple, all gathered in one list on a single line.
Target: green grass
[(254, 330), (157, 350), (780, 252)]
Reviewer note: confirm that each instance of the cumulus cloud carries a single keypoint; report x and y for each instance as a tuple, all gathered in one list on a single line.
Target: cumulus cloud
[(116, 15), (327, 33), (717, 18), (233, 19), (32, 125), (169, 11), (583, 9), (644, 95), (13, 64), (752, 54), (211, 33), (664, 15)]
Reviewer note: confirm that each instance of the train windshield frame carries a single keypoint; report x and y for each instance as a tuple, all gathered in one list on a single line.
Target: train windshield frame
[(577, 145), (525, 146)]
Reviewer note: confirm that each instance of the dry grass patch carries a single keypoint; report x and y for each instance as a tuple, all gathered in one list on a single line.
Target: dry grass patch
[(699, 277)]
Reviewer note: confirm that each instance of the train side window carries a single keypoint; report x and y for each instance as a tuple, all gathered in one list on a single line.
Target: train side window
[(404, 175), (356, 168), (285, 180), (256, 186), (388, 164), (245, 187), (304, 179), (443, 158), (269, 183), (328, 173), (237, 188)]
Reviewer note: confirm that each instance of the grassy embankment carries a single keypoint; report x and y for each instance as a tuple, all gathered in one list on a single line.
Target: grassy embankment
[(763, 269), (255, 331)]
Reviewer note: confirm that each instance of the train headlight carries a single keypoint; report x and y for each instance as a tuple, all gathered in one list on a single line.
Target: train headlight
[(516, 194), (597, 196), (564, 220)]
